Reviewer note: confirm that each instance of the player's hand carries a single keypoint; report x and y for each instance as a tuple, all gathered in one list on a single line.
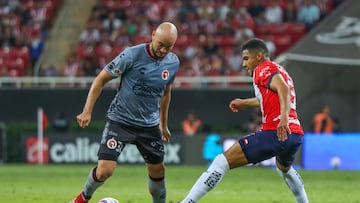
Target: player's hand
[(236, 105), (283, 130), (166, 135), (83, 119)]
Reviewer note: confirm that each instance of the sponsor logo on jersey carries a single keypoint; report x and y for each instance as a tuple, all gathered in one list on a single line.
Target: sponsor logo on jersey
[(147, 91)]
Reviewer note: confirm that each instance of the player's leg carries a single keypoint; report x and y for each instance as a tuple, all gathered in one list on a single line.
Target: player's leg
[(253, 148), (97, 177), (231, 158), (109, 150), (151, 148), (284, 167), (156, 182)]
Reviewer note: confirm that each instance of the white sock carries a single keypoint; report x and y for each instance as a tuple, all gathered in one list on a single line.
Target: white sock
[(295, 184), (208, 180)]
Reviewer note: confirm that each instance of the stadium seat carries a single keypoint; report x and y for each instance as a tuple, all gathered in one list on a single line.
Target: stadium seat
[(5, 52), (238, 4), (85, 52), (184, 41), (117, 50), (226, 40), (140, 39), (281, 28), (22, 53), (282, 42), (15, 68), (262, 29), (297, 31), (104, 50)]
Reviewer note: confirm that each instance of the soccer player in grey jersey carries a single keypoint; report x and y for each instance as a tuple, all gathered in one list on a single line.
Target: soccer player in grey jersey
[(139, 112)]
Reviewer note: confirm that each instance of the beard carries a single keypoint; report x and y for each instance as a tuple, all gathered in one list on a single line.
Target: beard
[(154, 53)]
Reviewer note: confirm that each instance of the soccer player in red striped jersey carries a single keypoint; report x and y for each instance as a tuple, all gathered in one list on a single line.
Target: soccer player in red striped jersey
[(281, 133)]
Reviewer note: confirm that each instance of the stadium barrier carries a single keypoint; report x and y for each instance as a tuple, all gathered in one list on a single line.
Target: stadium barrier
[(3, 148), (85, 82), (319, 151), (82, 148), (339, 151)]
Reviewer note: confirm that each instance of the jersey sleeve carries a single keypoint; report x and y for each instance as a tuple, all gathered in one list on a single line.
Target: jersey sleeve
[(120, 63), (176, 65), (265, 75)]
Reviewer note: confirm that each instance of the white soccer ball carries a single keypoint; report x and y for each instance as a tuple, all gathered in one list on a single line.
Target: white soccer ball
[(335, 162), (108, 200)]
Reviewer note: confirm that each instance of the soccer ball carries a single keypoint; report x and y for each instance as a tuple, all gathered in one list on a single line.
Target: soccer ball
[(108, 200), (335, 162)]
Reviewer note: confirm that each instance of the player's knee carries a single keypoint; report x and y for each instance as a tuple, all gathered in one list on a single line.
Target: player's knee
[(156, 170), (103, 173), (282, 168)]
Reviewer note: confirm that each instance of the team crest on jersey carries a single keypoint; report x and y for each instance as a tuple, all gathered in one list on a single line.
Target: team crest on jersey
[(165, 74), (111, 143)]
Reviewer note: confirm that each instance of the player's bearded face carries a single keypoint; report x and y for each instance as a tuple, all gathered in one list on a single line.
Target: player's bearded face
[(159, 49)]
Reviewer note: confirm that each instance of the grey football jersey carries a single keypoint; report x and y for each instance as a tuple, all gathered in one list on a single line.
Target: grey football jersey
[(143, 81)]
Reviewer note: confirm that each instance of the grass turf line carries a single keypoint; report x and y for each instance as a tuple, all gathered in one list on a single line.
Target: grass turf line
[(60, 183)]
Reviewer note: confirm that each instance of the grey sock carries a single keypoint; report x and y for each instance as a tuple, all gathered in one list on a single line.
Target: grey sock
[(157, 189), (92, 183)]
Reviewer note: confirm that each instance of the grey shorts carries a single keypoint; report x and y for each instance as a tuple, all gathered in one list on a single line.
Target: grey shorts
[(147, 140)]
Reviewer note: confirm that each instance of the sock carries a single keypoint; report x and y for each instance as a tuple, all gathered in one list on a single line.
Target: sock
[(92, 183), (208, 180), (157, 189), (295, 184)]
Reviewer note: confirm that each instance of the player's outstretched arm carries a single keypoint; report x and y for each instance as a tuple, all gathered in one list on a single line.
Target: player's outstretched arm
[(239, 104), (84, 118)]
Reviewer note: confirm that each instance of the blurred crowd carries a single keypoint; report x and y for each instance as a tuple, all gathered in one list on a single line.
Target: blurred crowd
[(210, 31), (24, 26)]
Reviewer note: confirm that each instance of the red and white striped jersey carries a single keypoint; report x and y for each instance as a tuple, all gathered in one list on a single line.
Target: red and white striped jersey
[(269, 99)]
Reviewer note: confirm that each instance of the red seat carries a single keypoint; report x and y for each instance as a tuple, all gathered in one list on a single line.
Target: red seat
[(19, 52), (4, 63), (4, 52), (262, 29), (22, 53), (16, 68), (117, 50), (282, 28), (104, 50), (282, 43), (297, 31), (184, 41), (226, 41), (140, 39), (238, 4), (85, 52)]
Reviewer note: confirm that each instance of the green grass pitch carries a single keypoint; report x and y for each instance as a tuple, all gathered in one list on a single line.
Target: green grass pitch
[(60, 183)]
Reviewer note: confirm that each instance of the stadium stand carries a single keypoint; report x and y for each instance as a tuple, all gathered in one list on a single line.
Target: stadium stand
[(116, 24), (197, 22), (24, 25)]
